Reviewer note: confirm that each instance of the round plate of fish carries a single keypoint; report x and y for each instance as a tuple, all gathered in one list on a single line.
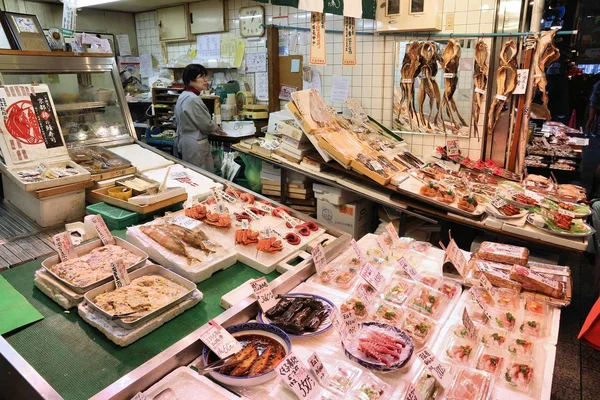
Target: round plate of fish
[(379, 346), (300, 315), (263, 347)]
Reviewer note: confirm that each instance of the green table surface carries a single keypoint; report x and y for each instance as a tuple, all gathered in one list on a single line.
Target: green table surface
[(77, 360)]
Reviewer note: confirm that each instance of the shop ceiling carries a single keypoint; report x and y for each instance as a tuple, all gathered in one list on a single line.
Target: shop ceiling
[(133, 6)]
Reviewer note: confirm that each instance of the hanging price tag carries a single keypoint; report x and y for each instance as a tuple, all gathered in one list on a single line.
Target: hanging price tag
[(479, 300), (251, 213), (186, 222), (64, 246), (227, 197), (449, 75), (469, 325), (219, 340), (456, 256), (289, 219), (522, 79), (391, 231), (264, 207), (120, 273), (409, 269), (501, 97), (480, 91), (264, 294), (245, 224), (358, 252), (374, 277), (441, 374), (318, 255), (102, 230), (498, 202), (297, 377), (318, 368), (485, 283)]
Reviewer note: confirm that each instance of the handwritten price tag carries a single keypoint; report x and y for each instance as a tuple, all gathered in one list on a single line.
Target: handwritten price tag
[(374, 277), (318, 255), (384, 243), (498, 202), (358, 252), (264, 294), (456, 256), (102, 230), (409, 269), (186, 222), (64, 246), (469, 325), (264, 207), (251, 213), (219, 340), (391, 231), (350, 324), (289, 219), (227, 197), (297, 377), (479, 300), (485, 283), (120, 274), (318, 368), (441, 374)]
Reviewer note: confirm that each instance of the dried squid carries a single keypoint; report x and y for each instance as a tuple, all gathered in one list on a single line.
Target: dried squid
[(480, 79), (429, 86), (545, 54), (411, 67), (506, 82), (450, 61)]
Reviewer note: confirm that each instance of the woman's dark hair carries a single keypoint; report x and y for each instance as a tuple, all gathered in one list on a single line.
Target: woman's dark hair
[(193, 71)]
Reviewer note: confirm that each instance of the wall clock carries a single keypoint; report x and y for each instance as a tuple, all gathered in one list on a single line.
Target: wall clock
[(251, 21)]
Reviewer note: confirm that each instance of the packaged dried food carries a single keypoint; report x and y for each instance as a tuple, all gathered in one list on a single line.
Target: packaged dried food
[(460, 351), (372, 388), (491, 361), (428, 302), (388, 313), (504, 319), (342, 377), (535, 306), (520, 347), (398, 290), (507, 299), (478, 265), (492, 337), (470, 385), (449, 289), (533, 325), (418, 327), (535, 281), (519, 375), (503, 253)]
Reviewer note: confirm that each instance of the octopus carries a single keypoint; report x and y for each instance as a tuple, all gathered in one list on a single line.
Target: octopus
[(292, 239), (302, 229), (247, 198), (277, 212)]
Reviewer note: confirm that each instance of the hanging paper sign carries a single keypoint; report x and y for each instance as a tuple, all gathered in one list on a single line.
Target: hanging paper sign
[(349, 55), (318, 255), (452, 148), (374, 277), (522, 78), (221, 342), (409, 269), (358, 252), (439, 372), (296, 377), (318, 368), (64, 246), (411, 393), (264, 294), (469, 325), (120, 273), (318, 50), (102, 230), (456, 256)]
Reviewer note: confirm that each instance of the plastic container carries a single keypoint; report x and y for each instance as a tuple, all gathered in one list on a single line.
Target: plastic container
[(342, 377), (535, 306), (485, 295), (503, 319), (460, 351), (533, 325), (388, 313), (421, 329), (476, 314), (491, 360), (459, 331), (115, 217), (428, 302), (347, 273), (470, 384), (518, 375), (354, 303), (371, 388), (494, 338), (431, 280), (521, 347), (449, 289), (507, 299), (398, 290), (426, 386)]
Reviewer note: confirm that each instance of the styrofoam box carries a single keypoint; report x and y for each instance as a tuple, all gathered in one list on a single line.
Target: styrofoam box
[(353, 218), (334, 195), (48, 211)]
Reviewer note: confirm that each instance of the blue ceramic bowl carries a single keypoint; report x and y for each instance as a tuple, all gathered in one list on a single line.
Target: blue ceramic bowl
[(251, 328)]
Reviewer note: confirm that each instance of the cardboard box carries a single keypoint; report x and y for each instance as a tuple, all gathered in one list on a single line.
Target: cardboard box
[(291, 130), (353, 218), (334, 195)]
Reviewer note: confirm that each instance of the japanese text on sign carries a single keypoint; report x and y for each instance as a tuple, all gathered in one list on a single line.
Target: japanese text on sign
[(538, 277), (219, 340), (289, 219), (264, 294), (358, 252), (318, 368), (251, 213), (64, 246), (374, 277), (438, 371), (296, 376), (469, 325), (186, 222), (409, 269), (452, 148), (102, 230), (485, 283), (411, 393), (318, 255), (391, 231), (46, 120), (456, 256), (349, 55), (318, 54), (120, 273), (498, 202)]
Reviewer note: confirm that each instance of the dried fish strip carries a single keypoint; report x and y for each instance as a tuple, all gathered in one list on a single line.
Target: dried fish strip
[(545, 54), (480, 79), (429, 86), (450, 62), (411, 66), (506, 82)]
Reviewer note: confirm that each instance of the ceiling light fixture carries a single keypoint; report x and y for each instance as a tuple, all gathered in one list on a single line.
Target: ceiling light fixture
[(86, 3)]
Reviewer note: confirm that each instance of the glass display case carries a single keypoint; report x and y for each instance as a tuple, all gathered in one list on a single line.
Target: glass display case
[(90, 109)]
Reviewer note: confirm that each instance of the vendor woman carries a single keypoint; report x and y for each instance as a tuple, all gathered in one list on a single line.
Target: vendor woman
[(194, 122)]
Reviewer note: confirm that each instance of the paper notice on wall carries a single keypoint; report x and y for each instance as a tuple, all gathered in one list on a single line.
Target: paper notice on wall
[(340, 88), (208, 47), (239, 53), (318, 51), (124, 46), (228, 46), (310, 5), (315, 82), (146, 65), (353, 8), (349, 55), (261, 85), (256, 62)]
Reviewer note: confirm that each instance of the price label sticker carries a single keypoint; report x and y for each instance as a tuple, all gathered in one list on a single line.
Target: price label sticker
[(484, 306), (406, 80), (290, 220), (439, 372), (178, 175), (251, 213), (566, 212), (296, 376), (264, 294), (318, 255), (102, 230), (537, 276), (376, 165), (317, 367), (219, 340), (228, 197), (120, 274), (456, 256), (469, 325), (392, 233), (64, 246), (374, 277), (480, 91), (186, 222), (485, 283), (220, 208), (358, 252), (267, 231), (245, 224), (41, 169), (498, 202), (449, 75), (501, 97), (409, 269), (264, 207)]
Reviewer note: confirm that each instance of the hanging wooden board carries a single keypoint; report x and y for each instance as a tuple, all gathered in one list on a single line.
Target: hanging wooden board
[(286, 76)]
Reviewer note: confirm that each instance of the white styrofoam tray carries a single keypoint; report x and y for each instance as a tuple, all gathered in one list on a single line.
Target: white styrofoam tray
[(189, 385), (197, 186), (141, 158)]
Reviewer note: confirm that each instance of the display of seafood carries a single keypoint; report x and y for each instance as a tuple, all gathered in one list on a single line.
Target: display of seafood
[(532, 326), (187, 243), (96, 159), (480, 80), (343, 377), (470, 385), (42, 173), (494, 338), (398, 290), (506, 82), (520, 347), (93, 266), (142, 296), (411, 66), (299, 315), (260, 354), (545, 54), (524, 200), (372, 388), (467, 203), (380, 345), (460, 352), (418, 327), (246, 237), (490, 363), (269, 245), (356, 305), (388, 314), (428, 387), (519, 376), (429, 302), (505, 320), (429, 86), (450, 61)]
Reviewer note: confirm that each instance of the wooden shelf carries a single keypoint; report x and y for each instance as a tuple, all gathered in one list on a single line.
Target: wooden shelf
[(90, 105)]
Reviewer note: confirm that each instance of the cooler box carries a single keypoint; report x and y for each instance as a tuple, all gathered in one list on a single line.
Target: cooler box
[(333, 194), (353, 218)]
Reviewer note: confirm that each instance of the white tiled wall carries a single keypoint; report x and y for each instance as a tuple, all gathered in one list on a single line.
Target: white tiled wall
[(372, 80)]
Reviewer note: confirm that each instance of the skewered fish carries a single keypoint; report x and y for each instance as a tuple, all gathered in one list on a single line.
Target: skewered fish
[(480, 78), (429, 86), (506, 82), (411, 66), (450, 62), (545, 54)]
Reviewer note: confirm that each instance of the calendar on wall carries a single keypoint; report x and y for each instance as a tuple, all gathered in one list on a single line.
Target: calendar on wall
[(256, 62)]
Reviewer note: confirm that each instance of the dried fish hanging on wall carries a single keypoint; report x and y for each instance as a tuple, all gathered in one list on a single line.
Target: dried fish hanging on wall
[(429, 87), (506, 81), (480, 79), (450, 62), (545, 54), (411, 66)]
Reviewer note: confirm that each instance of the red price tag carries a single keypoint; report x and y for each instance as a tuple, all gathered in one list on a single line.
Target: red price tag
[(264, 294), (64, 246)]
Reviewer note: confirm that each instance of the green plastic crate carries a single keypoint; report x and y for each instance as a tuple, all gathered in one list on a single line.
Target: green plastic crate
[(115, 217)]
